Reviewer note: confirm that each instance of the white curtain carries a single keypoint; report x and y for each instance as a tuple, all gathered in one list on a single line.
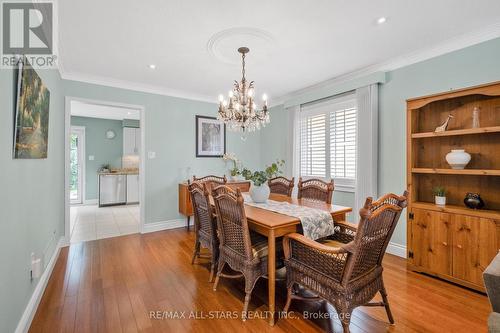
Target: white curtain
[(366, 145), (294, 149)]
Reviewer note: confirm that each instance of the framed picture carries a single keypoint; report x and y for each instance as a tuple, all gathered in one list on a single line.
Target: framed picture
[(31, 127), (210, 137)]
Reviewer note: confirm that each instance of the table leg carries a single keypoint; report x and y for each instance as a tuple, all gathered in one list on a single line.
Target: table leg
[(188, 220), (271, 271)]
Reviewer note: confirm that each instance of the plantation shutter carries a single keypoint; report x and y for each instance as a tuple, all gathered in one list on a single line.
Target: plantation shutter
[(328, 140), (313, 145), (343, 142)]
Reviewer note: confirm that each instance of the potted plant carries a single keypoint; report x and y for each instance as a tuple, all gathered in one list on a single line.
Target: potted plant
[(259, 191), (235, 171), (439, 195)]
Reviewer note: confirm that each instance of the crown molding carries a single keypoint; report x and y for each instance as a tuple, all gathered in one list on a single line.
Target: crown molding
[(450, 45), (133, 86)]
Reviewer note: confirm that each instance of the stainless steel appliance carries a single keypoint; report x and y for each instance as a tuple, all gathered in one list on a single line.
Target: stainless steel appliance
[(112, 190)]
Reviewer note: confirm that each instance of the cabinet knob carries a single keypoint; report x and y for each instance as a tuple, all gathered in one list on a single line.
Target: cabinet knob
[(459, 246), (445, 244)]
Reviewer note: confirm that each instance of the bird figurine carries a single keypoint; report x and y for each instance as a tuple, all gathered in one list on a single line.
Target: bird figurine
[(443, 127)]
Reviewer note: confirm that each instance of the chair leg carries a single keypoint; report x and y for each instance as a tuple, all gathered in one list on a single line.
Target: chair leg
[(196, 251), (245, 306), (212, 272), (344, 314), (386, 304), (288, 298), (219, 271)]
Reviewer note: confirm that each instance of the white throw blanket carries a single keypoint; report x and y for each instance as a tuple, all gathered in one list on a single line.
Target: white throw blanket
[(316, 223)]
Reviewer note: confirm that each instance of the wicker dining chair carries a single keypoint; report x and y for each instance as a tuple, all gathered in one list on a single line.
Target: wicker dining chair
[(315, 189), (281, 185), (244, 251), (346, 269), (216, 180), (205, 224)]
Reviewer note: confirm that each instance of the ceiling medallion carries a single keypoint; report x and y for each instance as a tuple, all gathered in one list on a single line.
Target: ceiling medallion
[(239, 112)]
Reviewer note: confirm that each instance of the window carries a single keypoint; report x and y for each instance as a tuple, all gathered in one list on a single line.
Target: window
[(328, 141)]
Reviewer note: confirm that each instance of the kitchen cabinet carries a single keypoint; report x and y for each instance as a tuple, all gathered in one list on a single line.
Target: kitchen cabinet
[(132, 189), (131, 141)]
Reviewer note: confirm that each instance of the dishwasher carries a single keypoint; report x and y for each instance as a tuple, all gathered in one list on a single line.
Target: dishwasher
[(112, 190)]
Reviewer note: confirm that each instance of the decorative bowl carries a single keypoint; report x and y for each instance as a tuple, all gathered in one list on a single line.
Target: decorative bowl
[(473, 200)]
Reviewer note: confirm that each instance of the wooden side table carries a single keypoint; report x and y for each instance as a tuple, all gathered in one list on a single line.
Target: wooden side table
[(186, 206)]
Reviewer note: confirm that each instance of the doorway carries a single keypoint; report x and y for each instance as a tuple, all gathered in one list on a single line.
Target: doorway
[(97, 140), (77, 165)]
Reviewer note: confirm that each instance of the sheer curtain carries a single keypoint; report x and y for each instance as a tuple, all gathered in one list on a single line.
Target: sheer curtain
[(367, 145), (294, 148)]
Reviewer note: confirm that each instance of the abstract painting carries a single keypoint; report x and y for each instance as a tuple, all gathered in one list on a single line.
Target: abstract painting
[(32, 114), (210, 137)]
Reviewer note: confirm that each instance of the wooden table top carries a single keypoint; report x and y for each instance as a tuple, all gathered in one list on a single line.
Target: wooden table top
[(272, 220)]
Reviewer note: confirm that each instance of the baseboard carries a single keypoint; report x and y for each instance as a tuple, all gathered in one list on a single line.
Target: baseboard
[(25, 321), (396, 249), (163, 225)]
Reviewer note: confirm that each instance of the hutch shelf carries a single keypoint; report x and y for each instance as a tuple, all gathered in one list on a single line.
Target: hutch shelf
[(454, 242)]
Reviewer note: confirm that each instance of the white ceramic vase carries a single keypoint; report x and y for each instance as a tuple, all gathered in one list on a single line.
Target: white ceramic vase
[(260, 194), (458, 158), (441, 201)]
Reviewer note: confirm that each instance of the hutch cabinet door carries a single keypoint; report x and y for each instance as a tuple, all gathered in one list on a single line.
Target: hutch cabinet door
[(431, 241), (474, 247)]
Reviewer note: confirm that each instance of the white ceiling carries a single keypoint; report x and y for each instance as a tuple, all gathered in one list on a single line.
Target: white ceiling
[(82, 109), (293, 44)]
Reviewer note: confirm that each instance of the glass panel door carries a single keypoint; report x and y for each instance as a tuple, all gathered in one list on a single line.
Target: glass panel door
[(76, 156)]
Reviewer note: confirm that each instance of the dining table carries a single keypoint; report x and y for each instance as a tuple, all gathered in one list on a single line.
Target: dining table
[(274, 225)]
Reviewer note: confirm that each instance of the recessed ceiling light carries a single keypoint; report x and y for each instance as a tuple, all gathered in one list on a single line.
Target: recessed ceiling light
[(152, 66), (381, 20), (129, 113)]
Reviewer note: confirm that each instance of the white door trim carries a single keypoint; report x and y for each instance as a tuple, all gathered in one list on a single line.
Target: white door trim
[(83, 160), (142, 166)]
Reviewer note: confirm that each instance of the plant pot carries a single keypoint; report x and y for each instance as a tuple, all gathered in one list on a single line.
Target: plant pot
[(441, 201), (260, 194), (234, 178), (458, 158)]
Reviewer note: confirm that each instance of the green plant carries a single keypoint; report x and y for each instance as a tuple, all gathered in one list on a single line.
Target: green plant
[(439, 191), (260, 177)]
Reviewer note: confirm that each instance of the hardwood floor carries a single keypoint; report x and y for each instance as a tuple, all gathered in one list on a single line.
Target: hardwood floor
[(113, 285)]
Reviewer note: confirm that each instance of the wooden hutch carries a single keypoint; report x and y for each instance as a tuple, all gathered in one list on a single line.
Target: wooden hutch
[(454, 242)]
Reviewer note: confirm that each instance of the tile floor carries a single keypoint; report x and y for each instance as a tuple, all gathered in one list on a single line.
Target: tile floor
[(92, 222)]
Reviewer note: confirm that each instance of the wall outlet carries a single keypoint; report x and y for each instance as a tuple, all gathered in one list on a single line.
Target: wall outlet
[(91, 157), (151, 154)]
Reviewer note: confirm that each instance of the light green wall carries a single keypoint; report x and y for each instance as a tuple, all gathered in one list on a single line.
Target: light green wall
[(467, 67), (170, 132), (464, 68), (31, 199), (105, 151)]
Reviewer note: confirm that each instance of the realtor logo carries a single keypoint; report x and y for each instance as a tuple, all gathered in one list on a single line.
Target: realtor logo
[(28, 29)]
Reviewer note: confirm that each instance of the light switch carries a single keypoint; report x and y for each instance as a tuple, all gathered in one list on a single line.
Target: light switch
[(151, 154), (91, 157)]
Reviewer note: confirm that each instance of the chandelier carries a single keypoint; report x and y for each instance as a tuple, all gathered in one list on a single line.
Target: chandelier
[(239, 112)]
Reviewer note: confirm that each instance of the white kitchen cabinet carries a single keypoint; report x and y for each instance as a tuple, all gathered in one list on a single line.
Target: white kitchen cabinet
[(132, 188), (131, 141)]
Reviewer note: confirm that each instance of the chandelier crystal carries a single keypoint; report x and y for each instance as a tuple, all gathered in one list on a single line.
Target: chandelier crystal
[(239, 112)]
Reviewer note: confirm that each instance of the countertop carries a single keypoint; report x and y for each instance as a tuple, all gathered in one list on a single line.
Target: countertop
[(120, 172)]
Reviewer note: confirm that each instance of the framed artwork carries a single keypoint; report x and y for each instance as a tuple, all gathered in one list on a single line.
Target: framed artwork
[(31, 127), (210, 137)]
